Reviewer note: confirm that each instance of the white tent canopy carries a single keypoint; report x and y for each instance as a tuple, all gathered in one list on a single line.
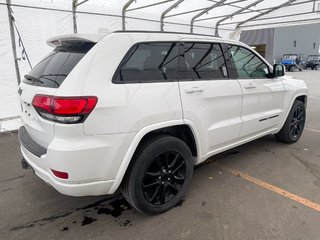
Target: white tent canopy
[(36, 20)]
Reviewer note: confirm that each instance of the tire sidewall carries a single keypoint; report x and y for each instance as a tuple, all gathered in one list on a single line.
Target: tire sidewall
[(296, 105), (145, 159)]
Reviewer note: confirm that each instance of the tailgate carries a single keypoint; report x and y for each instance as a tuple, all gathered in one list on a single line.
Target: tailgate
[(45, 79), (40, 130)]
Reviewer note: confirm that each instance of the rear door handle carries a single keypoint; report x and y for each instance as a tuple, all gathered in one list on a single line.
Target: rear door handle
[(250, 85), (194, 89)]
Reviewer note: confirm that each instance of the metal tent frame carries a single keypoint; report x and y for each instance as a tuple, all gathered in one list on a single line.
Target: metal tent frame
[(233, 14), (243, 8)]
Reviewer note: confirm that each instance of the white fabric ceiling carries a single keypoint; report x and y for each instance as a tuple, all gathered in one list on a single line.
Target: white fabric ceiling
[(38, 20)]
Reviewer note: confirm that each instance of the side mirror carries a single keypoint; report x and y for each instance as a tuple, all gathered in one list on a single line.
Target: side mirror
[(278, 70)]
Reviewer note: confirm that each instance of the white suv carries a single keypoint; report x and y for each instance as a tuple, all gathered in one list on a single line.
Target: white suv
[(137, 110)]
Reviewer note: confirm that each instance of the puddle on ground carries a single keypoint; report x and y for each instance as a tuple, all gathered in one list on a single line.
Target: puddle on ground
[(112, 206), (40, 222), (87, 220), (115, 208)]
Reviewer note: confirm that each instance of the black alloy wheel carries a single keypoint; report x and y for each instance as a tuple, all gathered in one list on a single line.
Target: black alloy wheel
[(159, 174), (293, 127), (164, 178), (297, 123)]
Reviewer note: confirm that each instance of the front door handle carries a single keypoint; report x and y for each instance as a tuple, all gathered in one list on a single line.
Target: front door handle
[(194, 89), (250, 85)]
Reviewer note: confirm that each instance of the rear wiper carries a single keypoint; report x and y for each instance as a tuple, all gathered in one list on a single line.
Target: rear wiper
[(46, 76), (31, 78)]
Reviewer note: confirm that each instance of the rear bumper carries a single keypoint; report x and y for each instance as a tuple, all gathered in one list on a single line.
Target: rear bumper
[(76, 189), (26, 141), (92, 162)]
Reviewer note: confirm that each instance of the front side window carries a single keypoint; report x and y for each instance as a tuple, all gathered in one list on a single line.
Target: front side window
[(247, 64), (203, 61), (149, 62)]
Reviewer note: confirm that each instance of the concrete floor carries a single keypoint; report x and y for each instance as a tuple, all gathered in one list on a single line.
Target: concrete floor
[(218, 205)]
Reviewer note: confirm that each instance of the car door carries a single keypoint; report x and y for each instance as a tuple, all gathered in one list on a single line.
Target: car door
[(263, 95), (210, 99)]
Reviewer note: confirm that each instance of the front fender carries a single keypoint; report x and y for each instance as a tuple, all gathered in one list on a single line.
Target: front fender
[(293, 88)]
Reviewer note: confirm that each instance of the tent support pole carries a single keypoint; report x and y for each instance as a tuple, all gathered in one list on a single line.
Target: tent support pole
[(75, 5), (149, 5), (233, 14), (287, 3), (74, 15), (13, 41), (305, 21), (163, 15), (217, 4), (124, 10)]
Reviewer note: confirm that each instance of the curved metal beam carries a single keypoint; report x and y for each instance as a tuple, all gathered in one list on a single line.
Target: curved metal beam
[(233, 14), (163, 15), (266, 12), (124, 10), (203, 12), (150, 5), (306, 21)]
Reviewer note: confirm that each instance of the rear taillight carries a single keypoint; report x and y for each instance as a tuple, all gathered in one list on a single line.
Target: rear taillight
[(64, 109)]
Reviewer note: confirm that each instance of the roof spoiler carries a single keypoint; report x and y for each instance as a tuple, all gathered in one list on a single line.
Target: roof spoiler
[(58, 41)]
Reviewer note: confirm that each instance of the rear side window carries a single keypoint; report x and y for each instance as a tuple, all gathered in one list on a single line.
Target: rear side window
[(247, 64), (53, 69), (149, 62), (203, 61)]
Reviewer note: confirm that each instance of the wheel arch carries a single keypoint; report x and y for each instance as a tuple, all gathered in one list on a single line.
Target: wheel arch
[(177, 128), (301, 96)]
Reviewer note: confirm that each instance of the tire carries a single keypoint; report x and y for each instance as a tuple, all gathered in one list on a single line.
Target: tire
[(159, 175), (294, 124), (316, 67)]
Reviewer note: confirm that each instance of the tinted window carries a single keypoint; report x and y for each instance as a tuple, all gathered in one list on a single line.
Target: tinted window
[(149, 62), (203, 61), (247, 64), (313, 58), (54, 68)]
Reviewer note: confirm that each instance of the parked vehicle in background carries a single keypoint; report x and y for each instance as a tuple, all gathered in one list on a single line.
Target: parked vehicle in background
[(137, 110), (292, 62), (313, 62)]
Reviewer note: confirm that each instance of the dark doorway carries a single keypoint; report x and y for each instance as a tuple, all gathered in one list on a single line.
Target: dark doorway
[(261, 49)]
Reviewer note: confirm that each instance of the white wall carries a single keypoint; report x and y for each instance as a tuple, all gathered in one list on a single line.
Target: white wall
[(35, 26)]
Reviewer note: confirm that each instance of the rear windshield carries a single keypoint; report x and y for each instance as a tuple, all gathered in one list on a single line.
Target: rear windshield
[(290, 57), (54, 68)]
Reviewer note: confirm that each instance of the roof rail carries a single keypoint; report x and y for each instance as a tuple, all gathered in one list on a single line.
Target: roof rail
[(164, 32)]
